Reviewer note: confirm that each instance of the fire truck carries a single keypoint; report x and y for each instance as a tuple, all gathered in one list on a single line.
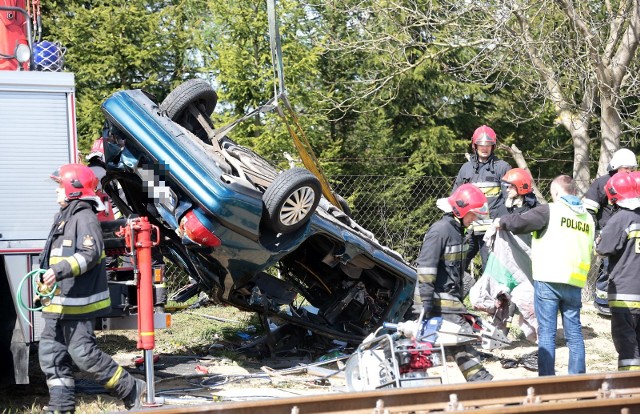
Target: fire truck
[(37, 135)]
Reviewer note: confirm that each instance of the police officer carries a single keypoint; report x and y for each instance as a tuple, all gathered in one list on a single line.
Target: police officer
[(620, 242), (560, 269), (440, 269), (597, 203), (75, 261), (484, 170)]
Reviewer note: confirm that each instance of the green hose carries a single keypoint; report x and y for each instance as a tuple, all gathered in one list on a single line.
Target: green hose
[(46, 296)]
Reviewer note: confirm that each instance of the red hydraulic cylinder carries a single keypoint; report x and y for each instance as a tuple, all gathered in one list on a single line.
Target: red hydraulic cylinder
[(138, 238)]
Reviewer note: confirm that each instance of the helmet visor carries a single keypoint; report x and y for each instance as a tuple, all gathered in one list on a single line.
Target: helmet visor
[(482, 212), (55, 176)]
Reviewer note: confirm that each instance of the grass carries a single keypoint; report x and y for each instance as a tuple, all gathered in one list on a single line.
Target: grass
[(191, 333)]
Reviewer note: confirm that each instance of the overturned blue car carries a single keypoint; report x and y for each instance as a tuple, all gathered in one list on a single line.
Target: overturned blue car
[(260, 239)]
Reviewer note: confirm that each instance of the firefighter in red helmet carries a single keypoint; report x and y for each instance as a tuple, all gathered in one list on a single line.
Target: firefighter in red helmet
[(484, 170), (619, 241), (440, 270), (518, 191), (601, 209), (74, 260)]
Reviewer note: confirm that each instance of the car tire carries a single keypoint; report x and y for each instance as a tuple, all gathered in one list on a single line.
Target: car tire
[(291, 200), (197, 92)]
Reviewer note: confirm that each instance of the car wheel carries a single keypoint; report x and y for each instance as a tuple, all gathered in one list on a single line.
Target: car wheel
[(291, 200), (196, 93)]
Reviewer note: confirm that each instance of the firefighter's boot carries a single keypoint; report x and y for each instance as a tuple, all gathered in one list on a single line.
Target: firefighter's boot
[(134, 399)]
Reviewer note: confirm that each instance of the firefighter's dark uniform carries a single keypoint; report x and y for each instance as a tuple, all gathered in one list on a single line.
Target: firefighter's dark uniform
[(486, 176), (620, 241), (597, 204), (75, 252), (439, 287)]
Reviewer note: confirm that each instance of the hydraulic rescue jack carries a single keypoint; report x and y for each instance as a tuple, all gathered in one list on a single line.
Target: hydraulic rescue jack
[(138, 238)]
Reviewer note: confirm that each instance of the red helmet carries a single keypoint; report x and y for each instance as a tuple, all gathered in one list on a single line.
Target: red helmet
[(97, 149), (621, 187), (521, 179), (468, 198), (484, 135), (78, 180)]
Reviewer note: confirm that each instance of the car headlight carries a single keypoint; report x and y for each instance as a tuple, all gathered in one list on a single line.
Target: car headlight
[(23, 53)]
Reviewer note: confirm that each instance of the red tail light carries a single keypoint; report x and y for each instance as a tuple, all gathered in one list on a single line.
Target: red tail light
[(194, 226)]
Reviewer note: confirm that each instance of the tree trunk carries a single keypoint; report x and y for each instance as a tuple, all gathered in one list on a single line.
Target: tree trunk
[(578, 127), (610, 129)]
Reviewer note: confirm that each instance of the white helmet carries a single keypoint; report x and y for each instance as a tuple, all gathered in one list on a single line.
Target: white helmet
[(623, 158)]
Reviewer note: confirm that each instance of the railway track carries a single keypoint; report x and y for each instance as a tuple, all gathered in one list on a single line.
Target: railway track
[(615, 392)]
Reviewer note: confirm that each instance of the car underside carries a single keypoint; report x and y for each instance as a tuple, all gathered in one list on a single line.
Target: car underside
[(263, 240)]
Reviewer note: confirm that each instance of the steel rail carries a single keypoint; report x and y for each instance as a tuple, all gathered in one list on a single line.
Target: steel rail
[(614, 392)]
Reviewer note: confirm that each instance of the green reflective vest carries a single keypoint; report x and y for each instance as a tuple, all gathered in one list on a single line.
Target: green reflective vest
[(562, 254)]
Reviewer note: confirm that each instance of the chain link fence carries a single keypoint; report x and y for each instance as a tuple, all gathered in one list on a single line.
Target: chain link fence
[(398, 210)]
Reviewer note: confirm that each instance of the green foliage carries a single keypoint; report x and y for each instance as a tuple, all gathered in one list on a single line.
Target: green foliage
[(238, 56), (121, 44)]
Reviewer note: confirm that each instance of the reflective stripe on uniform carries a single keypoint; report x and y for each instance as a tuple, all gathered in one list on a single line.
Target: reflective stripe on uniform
[(624, 297), (427, 270), (82, 262), (472, 362), (470, 368), (622, 300), (73, 263), (78, 310), (455, 252), (480, 226), (629, 364), (624, 304), (426, 278), (61, 382), (448, 304), (87, 300), (578, 279), (443, 295), (489, 188), (591, 205), (114, 379), (633, 233)]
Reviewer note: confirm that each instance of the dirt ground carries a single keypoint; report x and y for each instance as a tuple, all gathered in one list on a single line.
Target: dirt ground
[(228, 380), (183, 379)]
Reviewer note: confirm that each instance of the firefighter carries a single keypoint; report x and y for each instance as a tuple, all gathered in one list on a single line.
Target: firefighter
[(620, 242), (505, 285), (440, 270), (519, 196), (560, 269), (75, 261), (596, 202), (484, 170), (96, 161)]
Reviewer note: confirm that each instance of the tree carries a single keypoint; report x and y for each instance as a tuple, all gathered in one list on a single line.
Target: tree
[(576, 55), (121, 44), (237, 54)]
